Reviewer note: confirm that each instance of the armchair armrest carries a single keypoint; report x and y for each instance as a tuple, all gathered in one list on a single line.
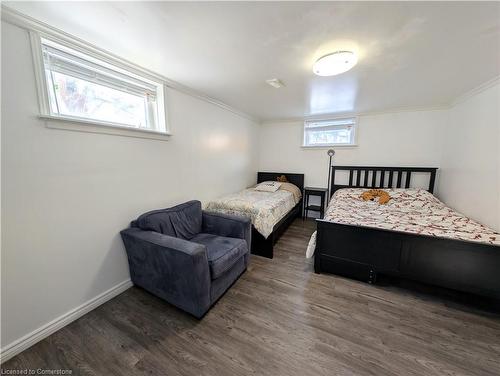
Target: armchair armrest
[(174, 269), (231, 226)]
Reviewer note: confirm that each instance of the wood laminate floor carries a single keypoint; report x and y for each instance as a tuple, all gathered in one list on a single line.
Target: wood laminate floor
[(280, 319)]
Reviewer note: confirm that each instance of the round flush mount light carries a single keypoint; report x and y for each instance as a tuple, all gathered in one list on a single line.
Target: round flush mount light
[(335, 63)]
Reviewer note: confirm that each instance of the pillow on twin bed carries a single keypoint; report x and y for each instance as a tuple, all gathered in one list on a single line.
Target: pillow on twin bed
[(268, 186)]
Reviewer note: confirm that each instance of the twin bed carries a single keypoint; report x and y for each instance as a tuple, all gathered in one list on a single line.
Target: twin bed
[(271, 212)]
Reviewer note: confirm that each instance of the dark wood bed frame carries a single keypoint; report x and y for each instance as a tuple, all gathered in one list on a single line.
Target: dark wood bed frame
[(363, 252), (262, 246)]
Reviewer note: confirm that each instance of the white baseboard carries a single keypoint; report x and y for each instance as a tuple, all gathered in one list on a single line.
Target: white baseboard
[(53, 326)]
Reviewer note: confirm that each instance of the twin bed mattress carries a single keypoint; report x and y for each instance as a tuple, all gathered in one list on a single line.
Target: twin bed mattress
[(265, 209), (414, 211)]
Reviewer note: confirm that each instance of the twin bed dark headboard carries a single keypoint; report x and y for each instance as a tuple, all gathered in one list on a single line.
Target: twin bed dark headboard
[(297, 179), (381, 177), (363, 177)]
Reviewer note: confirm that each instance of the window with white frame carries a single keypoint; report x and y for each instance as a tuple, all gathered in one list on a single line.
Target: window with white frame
[(78, 85), (332, 132)]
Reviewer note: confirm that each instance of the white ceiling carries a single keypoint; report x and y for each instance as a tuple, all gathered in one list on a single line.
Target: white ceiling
[(411, 54)]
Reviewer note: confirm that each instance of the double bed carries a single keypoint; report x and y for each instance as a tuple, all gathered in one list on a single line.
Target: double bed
[(414, 236), (270, 212)]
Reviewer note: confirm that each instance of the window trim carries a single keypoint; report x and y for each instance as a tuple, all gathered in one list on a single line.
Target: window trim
[(65, 122), (327, 146)]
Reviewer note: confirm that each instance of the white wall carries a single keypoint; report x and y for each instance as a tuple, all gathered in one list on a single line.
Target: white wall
[(470, 168), (66, 195), (392, 139)]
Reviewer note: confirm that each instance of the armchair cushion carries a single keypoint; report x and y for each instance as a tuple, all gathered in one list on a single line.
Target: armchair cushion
[(227, 225), (181, 221), (222, 252)]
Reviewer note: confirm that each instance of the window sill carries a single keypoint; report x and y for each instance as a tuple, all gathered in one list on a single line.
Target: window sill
[(82, 125), (329, 146)]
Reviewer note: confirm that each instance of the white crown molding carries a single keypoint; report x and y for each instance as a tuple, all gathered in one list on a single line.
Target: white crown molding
[(463, 97), (53, 326), (355, 114), (477, 90), (29, 23)]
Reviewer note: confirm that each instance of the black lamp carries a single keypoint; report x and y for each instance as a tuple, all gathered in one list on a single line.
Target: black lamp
[(330, 153)]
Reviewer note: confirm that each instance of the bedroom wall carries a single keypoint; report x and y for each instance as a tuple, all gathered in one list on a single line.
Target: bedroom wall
[(399, 139), (470, 168), (66, 195)]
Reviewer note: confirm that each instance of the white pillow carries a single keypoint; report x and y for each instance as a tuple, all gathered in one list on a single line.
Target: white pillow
[(268, 186)]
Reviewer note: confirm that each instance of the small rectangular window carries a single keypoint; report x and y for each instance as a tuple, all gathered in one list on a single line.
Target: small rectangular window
[(82, 87), (334, 132)]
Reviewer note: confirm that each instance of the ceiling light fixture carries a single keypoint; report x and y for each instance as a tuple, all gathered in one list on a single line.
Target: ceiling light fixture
[(335, 63)]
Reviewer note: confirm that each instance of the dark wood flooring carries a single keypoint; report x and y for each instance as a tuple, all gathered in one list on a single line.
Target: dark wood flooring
[(280, 319)]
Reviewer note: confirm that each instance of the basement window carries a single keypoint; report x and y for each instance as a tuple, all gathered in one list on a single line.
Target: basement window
[(81, 86), (331, 132)]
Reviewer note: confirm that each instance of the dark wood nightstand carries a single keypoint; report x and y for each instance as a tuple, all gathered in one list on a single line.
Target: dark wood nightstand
[(311, 191)]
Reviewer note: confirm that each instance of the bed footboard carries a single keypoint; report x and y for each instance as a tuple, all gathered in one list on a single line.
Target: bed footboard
[(363, 252), (265, 247)]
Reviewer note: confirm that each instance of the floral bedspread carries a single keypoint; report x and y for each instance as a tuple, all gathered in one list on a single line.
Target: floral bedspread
[(409, 210), (265, 209)]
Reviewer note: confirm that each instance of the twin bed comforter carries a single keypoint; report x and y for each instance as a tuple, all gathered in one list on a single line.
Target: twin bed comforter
[(265, 209)]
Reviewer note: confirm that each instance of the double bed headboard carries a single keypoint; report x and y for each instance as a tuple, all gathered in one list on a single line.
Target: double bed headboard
[(381, 177), (297, 179)]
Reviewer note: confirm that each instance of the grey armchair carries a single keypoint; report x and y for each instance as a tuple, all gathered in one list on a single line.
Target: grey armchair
[(187, 256)]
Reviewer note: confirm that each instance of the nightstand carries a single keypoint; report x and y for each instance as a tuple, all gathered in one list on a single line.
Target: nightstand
[(311, 191)]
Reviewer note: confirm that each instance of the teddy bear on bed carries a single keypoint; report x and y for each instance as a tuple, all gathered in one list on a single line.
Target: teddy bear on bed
[(383, 196)]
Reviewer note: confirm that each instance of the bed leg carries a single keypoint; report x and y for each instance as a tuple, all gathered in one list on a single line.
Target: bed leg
[(372, 277), (317, 265)]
